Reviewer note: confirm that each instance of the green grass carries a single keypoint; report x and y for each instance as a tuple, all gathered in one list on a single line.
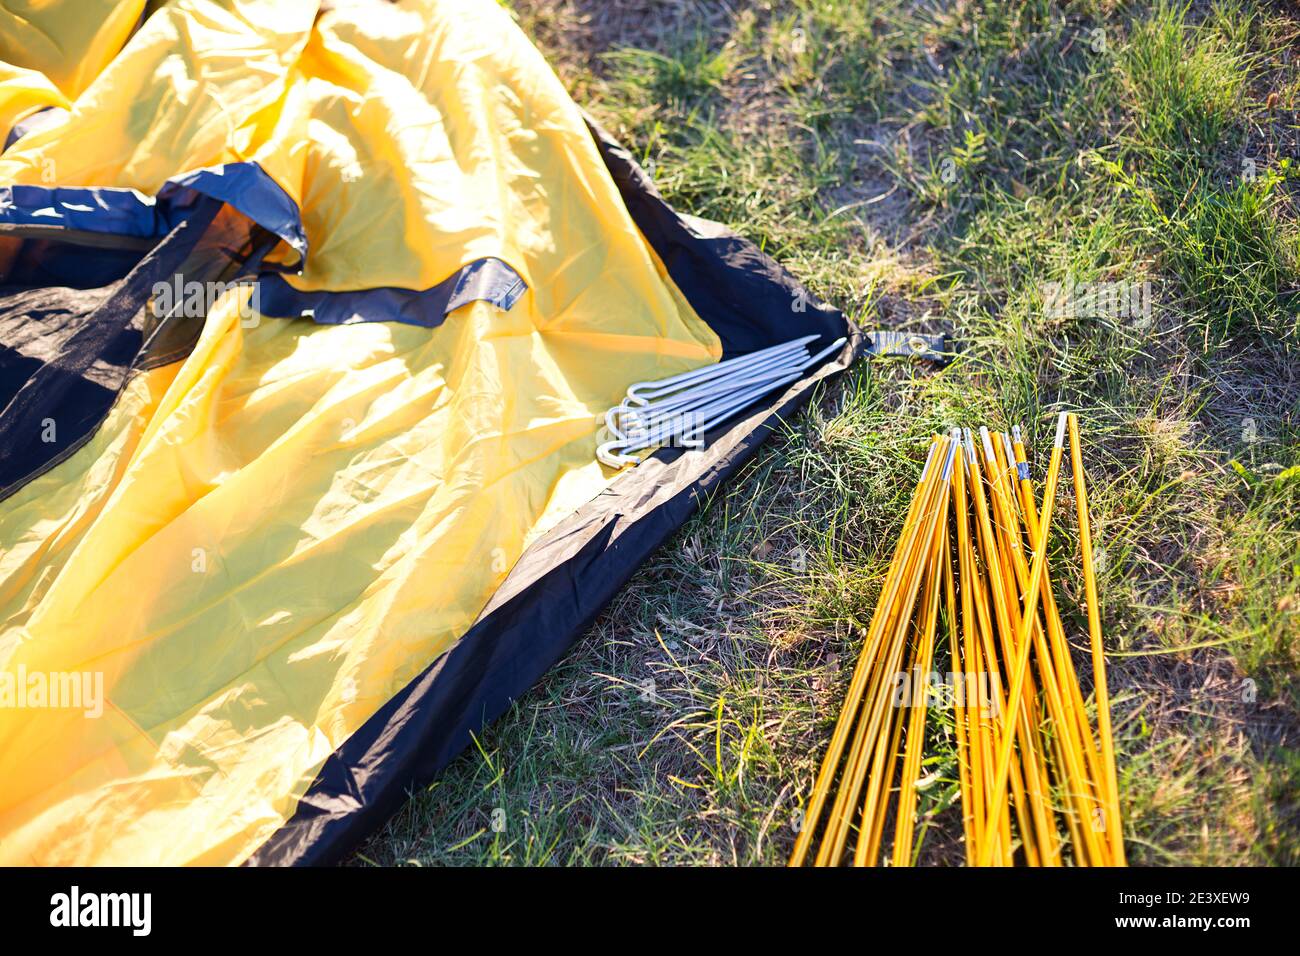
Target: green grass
[(927, 169), (1187, 84), (1212, 210)]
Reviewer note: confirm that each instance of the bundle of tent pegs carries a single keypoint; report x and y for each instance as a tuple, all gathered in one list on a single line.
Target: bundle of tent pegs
[(970, 573), (680, 409)]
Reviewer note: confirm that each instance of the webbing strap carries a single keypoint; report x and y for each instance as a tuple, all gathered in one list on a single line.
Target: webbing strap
[(933, 348)]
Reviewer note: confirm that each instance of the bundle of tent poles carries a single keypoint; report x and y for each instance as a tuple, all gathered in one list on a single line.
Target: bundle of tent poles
[(680, 409), (970, 574)]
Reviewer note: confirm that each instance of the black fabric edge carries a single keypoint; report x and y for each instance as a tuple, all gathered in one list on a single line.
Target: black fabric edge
[(559, 586)]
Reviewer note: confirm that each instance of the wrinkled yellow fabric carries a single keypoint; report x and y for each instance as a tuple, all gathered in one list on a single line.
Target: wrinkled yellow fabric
[(174, 99), (68, 41), (265, 542), (23, 92)]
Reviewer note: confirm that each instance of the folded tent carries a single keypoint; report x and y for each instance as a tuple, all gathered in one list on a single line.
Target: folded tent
[(313, 533)]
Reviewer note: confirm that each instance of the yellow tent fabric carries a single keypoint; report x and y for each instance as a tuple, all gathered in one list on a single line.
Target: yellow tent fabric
[(263, 543), (67, 41), (23, 92)]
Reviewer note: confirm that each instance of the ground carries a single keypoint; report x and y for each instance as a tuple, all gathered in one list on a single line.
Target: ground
[(938, 167)]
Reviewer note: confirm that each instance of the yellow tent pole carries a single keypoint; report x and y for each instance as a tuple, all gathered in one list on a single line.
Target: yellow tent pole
[(1013, 749), (1056, 631), (1114, 826), (1072, 774), (1029, 722), (1016, 722), (1021, 666), (868, 760), (897, 615), (958, 703), (1091, 796), (972, 809), (1021, 720), (905, 815), (986, 725), (852, 699), (869, 734), (990, 725), (875, 806), (1000, 729)]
